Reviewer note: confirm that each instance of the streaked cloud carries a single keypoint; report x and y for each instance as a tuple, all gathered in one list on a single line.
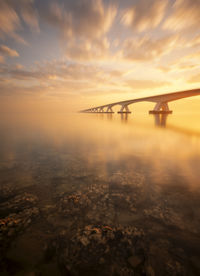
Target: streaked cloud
[(81, 18), (187, 62), (185, 14), (194, 79), (86, 50), (2, 59), (146, 84), (29, 13), (9, 20), (11, 14), (147, 48), (94, 48), (6, 51), (178, 67), (59, 71), (144, 15), (83, 25)]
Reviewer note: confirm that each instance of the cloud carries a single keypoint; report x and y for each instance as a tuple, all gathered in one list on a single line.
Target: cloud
[(6, 51), (81, 18), (146, 48), (177, 67), (194, 79), (2, 60), (9, 20), (86, 50), (58, 71), (11, 12), (146, 84), (61, 77), (185, 14), (144, 15), (83, 25), (29, 14)]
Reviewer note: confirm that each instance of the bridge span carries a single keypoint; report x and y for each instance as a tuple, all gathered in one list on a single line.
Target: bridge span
[(161, 103)]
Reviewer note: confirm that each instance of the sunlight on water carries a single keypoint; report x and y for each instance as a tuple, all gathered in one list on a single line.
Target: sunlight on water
[(61, 173)]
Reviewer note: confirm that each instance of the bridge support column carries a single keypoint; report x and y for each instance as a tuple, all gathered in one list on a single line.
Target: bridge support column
[(109, 110), (161, 108), (124, 109)]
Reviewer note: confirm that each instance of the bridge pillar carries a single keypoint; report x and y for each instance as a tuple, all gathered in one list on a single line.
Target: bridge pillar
[(109, 109), (124, 109), (161, 108)]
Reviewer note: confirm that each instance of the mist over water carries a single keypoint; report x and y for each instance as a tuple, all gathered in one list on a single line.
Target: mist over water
[(100, 193)]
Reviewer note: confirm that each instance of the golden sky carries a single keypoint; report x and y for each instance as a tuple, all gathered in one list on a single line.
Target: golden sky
[(76, 53)]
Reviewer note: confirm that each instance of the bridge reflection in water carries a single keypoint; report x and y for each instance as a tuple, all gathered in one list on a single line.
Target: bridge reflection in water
[(160, 120), (124, 117)]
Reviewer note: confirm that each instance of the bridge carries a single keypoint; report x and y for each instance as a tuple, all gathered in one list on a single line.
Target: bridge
[(161, 103)]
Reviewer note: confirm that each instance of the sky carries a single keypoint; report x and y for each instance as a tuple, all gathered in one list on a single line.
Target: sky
[(73, 54)]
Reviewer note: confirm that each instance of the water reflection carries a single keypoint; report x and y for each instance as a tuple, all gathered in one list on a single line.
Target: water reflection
[(104, 197), (124, 117), (160, 119), (110, 117)]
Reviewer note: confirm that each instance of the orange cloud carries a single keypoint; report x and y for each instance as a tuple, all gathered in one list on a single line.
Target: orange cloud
[(86, 50), (9, 20), (29, 14), (178, 66), (185, 14), (11, 13), (6, 51), (147, 49), (146, 84), (86, 19), (195, 79), (62, 75), (144, 15), (2, 59), (83, 25)]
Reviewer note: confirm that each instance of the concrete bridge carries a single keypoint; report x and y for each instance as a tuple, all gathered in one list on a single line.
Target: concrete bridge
[(161, 103)]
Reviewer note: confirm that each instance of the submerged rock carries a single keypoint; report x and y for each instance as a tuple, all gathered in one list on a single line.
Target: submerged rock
[(134, 261), (101, 249), (18, 203)]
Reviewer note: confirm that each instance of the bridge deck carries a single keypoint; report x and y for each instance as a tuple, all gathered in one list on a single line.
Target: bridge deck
[(163, 98)]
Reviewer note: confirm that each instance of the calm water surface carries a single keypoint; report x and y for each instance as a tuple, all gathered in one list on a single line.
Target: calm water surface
[(100, 194)]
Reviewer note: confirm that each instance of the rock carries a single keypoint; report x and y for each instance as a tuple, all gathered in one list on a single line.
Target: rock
[(101, 261), (150, 271), (84, 241), (11, 232), (134, 261), (10, 224)]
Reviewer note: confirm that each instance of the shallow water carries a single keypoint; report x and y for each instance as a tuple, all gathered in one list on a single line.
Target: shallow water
[(85, 194)]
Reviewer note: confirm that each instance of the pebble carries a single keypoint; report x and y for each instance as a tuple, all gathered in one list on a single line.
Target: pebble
[(134, 261), (84, 241)]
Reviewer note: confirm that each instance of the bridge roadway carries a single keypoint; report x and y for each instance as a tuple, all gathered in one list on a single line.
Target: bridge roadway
[(161, 106)]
